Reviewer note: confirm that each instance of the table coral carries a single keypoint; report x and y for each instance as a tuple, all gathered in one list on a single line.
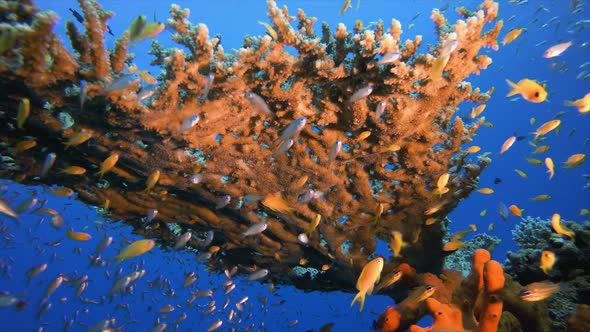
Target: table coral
[(370, 186)]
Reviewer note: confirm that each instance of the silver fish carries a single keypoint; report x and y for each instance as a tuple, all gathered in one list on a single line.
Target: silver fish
[(389, 58), (258, 103), (255, 229), (47, 164), (215, 325), (258, 274), (52, 287), (284, 147), (151, 215), (361, 93), (36, 270), (82, 93), (223, 201), (293, 128), (303, 238), (306, 197), (147, 91), (209, 238), (121, 82), (105, 242), (196, 178), (334, 151), (449, 46), (182, 240), (208, 83), (380, 109), (188, 123)]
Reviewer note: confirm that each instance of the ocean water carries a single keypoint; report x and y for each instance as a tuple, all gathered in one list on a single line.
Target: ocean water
[(31, 240)]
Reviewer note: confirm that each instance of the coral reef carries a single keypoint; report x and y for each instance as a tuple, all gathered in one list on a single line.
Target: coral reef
[(258, 135), (460, 260), (485, 301), (571, 269)]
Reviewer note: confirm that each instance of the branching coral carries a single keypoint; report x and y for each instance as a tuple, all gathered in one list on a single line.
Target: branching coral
[(372, 186)]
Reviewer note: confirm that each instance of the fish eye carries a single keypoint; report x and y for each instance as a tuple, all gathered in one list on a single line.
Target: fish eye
[(536, 93), (524, 293), (429, 287)]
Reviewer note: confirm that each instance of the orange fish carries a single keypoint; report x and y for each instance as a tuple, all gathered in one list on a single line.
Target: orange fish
[(78, 236), (512, 35), (583, 104), (515, 210), (547, 127), (548, 259), (528, 89), (453, 245), (507, 144), (370, 275)]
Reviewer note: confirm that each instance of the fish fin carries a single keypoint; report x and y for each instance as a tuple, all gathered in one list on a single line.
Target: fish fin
[(360, 296), (514, 87)]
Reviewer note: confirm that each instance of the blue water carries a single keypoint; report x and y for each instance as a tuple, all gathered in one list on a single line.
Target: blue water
[(25, 244)]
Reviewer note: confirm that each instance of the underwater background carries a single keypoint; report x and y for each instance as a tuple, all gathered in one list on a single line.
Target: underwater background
[(30, 240)]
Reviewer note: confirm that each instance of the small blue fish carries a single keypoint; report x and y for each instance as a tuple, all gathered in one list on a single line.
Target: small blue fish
[(47, 164), (188, 123), (293, 128), (258, 103), (306, 197)]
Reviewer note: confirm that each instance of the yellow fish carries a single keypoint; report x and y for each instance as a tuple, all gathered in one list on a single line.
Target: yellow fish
[(473, 149), (584, 212), (152, 180), (136, 248), (396, 243), (441, 184), (476, 111), (521, 173), (559, 228), (276, 204), (347, 4), (389, 280), (362, 136), (430, 221), (459, 235), (486, 191), (547, 127), (24, 109), (74, 170), (62, 192), (108, 164), (548, 259), (512, 35), (78, 236), (534, 161), (541, 198), (270, 30), (491, 227), (483, 213), (575, 160), (453, 245), (146, 77), (78, 138), (583, 104), (370, 275), (550, 167), (314, 224), (528, 89), (541, 149), (25, 145), (473, 227), (515, 210)]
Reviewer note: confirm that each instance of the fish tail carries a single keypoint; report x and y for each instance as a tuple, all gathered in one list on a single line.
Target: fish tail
[(514, 87), (360, 296)]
